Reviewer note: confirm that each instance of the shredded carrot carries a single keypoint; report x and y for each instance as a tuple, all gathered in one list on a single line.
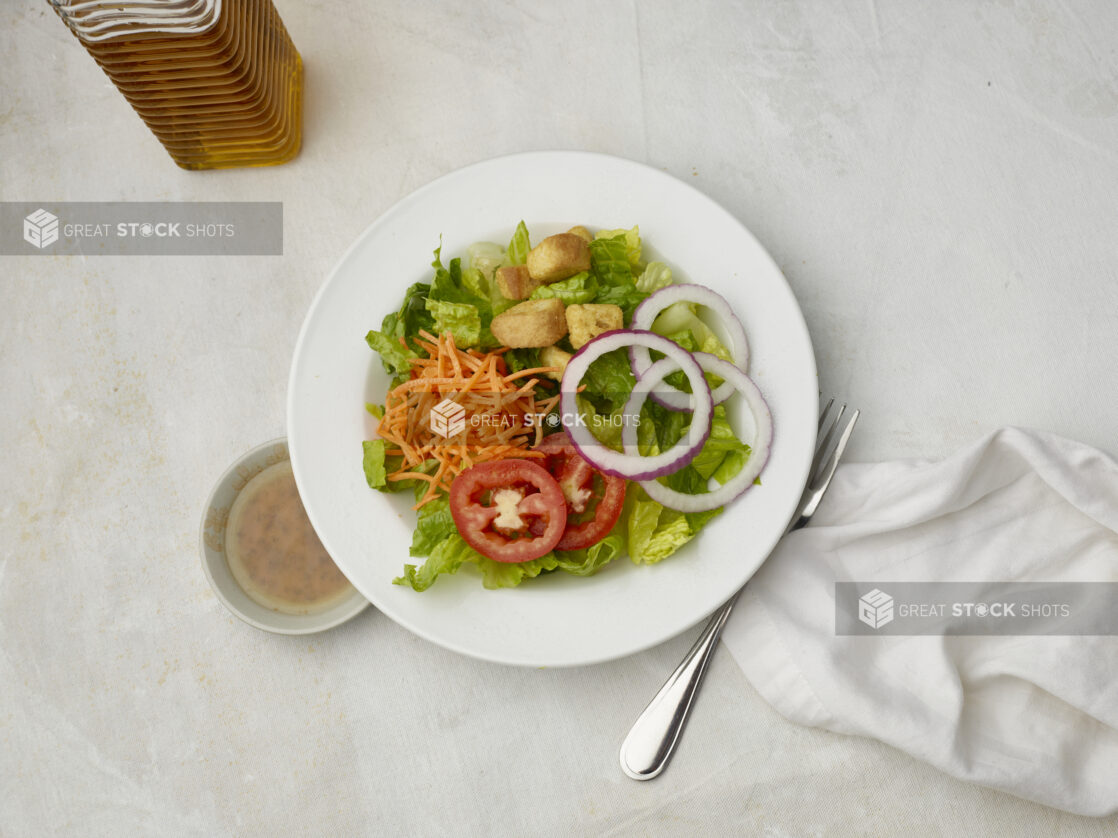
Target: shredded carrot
[(533, 371), (496, 405)]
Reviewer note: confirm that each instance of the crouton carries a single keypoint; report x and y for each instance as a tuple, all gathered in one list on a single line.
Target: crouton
[(531, 323), (515, 283), (553, 356), (558, 257), (586, 322), (582, 233)]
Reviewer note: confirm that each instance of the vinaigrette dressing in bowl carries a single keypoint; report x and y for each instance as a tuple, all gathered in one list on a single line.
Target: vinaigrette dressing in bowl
[(274, 552), (262, 556)]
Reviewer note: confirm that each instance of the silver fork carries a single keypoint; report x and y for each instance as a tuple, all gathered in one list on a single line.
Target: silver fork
[(653, 737)]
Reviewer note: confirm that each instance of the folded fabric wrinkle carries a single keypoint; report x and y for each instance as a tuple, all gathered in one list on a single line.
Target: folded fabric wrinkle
[(1035, 716)]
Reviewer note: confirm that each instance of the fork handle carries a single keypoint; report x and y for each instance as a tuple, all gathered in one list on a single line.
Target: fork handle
[(653, 737)]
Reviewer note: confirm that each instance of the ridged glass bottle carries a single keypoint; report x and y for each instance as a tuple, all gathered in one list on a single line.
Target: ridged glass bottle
[(218, 82)]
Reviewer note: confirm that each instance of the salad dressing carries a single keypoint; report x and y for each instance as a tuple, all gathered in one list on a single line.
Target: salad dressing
[(273, 551), (220, 85)]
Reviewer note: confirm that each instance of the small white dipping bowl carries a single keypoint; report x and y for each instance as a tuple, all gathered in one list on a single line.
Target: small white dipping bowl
[(216, 568)]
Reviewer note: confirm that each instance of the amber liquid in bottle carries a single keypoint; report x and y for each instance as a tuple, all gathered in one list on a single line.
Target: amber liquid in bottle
[(228, 96)]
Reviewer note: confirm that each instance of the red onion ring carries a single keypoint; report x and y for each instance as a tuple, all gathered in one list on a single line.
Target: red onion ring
[(634, 466), (760, 448), (646, 313)]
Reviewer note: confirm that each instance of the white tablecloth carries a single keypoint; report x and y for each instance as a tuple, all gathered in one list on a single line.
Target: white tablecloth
[(938, 183)]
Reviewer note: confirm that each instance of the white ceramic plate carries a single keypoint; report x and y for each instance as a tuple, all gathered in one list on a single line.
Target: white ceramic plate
[(557, 619)]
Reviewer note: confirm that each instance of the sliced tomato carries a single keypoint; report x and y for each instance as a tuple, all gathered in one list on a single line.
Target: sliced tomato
[(509, 510), (594, 499)]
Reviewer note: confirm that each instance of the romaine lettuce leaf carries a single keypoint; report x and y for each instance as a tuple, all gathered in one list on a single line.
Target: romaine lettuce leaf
[(433, 524), (649, 434), (460, 319), (632, 240), (374, 453), (523, 359), (499, 301), (606, 425), (683, 317), (578, 562), (655, 276), (688, 480), (580, 288), (461, 302), (448, 284), (508, 574), (655, 532), (412, 315), (715, 347), (626, 296), (486, 257), (420, 487), (519, 246), (394, 355), (405, 323), (437, 538), (446, 557), (589, 561), (721, 443), (685, 338), (373, 463), (609, 380), (651, 540), (610, 262), (668, 425), (475, 282), (731, 464)]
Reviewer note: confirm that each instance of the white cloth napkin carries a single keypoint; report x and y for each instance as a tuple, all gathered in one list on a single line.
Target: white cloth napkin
[(1036, 716)]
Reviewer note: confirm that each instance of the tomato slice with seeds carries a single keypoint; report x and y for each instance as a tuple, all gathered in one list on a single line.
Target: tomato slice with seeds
[(509, 510), (594, 499)]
